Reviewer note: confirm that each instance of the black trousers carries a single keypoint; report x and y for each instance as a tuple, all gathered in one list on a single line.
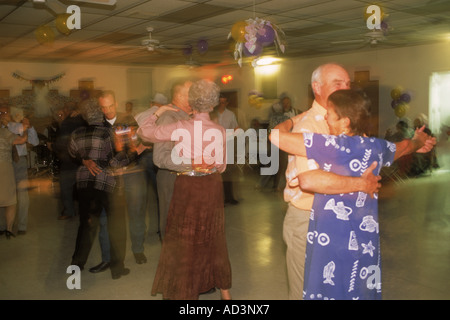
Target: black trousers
[(91, 203), (229, 177)]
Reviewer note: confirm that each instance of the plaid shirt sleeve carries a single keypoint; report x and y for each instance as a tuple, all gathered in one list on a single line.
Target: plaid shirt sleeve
[(97, 143)]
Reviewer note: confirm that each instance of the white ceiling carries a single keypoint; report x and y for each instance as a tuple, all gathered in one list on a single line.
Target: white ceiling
[(113, 34)]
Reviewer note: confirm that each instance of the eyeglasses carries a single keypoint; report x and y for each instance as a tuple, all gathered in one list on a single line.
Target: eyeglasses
[(3, 112)]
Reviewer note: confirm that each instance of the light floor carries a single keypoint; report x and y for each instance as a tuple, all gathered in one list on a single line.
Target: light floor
[(414, 229)]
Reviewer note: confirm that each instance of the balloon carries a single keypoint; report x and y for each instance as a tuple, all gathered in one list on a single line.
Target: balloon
[(259, 102), (394, 103), (405, 97), (202, 46), (255, 101), (401, 110), (396, 93), (187, 51), (44, 35), (252, 99), (61, 23), (265, 35), (238, 31), (257, 50), (384, 27)]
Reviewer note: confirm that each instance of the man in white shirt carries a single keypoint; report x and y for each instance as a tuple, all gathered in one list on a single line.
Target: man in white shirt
[(227, 119)]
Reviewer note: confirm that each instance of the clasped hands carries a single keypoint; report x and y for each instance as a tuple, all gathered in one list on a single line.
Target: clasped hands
[(425, 139)]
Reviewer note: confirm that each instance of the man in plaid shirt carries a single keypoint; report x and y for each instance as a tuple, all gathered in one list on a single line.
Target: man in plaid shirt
[(99, 189)]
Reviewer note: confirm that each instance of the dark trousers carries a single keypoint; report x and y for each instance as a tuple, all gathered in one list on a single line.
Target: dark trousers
[(165, 181), (91, 204), (229, 176), (67, 181), (138, 182)]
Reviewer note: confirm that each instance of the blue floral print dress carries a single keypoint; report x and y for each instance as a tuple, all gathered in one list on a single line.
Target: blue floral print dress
[(343, 244)]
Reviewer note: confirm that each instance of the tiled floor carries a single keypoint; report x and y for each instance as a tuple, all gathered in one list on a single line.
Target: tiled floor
[(414, 229)]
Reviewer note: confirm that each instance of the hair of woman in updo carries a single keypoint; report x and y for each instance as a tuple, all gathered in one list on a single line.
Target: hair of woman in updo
[(90, 111), (204, 95)]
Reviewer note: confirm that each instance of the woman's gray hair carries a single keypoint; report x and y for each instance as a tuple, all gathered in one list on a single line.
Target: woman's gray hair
[(91, 111), (204, 95)]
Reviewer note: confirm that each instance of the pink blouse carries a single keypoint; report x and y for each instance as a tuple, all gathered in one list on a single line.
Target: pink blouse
[(197, 139)]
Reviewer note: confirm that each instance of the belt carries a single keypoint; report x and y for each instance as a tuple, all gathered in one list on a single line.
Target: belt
[(195, 173)]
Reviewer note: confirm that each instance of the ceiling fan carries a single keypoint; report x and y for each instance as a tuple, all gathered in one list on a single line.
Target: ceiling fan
[(371, 38), (191, 63), (57, 7), (154, 44), (101, 2)]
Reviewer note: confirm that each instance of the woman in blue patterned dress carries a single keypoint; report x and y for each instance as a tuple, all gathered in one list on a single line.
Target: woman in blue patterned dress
[(343, 247)]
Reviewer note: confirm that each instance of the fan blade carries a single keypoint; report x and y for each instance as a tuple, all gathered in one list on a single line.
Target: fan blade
[(103, 2), (174, 46), (348, 42), (146, 42)]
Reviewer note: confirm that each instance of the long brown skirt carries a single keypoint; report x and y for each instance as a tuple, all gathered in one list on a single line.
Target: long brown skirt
[(194, 255)]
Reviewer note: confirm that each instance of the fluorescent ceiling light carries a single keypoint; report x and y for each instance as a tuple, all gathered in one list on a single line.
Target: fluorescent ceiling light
[(265, 61)]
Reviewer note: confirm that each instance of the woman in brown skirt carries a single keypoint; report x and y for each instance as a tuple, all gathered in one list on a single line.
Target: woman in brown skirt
[(194, 256)]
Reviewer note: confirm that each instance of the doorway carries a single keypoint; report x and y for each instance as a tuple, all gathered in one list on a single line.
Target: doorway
[(439, 110), (233, 105)]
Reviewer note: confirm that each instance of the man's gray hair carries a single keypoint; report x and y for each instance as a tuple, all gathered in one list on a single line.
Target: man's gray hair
[(317, 73), (204, 95), (91, 111), (106, 93)]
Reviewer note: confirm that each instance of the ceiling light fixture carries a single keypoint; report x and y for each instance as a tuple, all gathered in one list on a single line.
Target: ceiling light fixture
[(252, 35), (265, 61)]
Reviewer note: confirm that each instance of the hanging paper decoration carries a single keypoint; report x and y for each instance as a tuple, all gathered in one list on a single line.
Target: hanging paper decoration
[(38, 82), (254, 49), (252, 35)]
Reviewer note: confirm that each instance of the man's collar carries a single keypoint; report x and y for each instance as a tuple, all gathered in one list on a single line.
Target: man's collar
[(112, 121), (320, 109), (175, 106)]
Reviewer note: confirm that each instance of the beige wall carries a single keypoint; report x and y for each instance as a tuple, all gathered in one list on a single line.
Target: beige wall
[(409, 67)]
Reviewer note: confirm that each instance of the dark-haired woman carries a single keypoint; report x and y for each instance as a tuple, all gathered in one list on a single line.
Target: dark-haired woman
[(343, 248)]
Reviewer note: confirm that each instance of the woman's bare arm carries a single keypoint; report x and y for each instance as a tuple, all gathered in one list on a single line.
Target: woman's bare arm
[(421, 142), (290, 142), (319, 181)]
